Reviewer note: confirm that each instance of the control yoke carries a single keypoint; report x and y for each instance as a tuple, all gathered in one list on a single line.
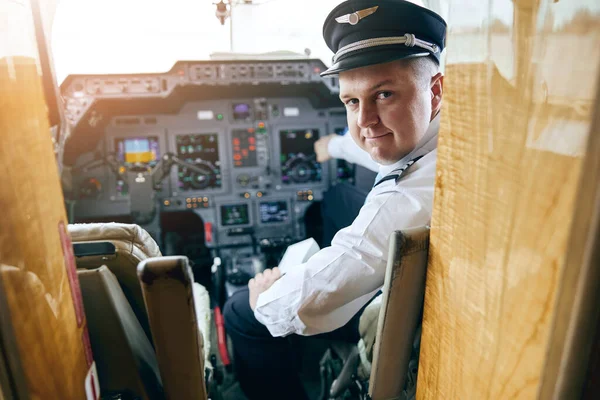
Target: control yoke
[(143, 182), (162, 169)]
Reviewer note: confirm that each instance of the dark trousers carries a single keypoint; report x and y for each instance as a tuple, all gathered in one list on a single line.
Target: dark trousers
[(267, 366), (339, 208)]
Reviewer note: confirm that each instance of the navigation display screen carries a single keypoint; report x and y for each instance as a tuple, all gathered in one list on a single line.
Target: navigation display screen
[(202, 150), (298, 159), (140, 150), (273, 212), (235, 214), (244, 148)]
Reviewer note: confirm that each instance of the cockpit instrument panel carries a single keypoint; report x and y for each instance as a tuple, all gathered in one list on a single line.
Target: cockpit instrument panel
[(230, 141)]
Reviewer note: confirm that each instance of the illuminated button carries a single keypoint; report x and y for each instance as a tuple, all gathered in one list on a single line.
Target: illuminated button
[(310, 197), (205, 199), (122, 170), (247, 195), (220, 117), (188, 200), (261, 125), (189, 206), (167, 203), (208, 232), (243, 180), (259, 194), (310, 192)]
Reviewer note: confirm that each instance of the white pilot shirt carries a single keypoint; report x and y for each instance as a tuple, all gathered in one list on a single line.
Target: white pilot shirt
[(324, 293)]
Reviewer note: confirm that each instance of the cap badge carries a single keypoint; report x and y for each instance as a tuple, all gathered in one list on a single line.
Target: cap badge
[(355, 17)]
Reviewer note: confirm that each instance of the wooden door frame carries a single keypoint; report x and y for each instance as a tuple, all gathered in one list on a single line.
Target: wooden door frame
[(577, 307)]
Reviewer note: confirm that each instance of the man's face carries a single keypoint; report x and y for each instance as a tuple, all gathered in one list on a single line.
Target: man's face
[(388, 107)]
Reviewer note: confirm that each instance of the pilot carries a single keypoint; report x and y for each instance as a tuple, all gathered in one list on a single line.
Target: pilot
[(342, 202), (387, 55)]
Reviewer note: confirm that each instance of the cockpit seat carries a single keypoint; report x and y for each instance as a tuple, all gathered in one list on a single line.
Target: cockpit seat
[(121, 247), (107, 256), (175, 306), (124, 357), (390, 326)]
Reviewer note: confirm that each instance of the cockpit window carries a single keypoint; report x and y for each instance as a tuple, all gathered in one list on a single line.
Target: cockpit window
[(133, 36)]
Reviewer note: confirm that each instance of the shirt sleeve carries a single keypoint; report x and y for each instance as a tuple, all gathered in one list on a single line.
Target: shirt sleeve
[(345, 147), (324, 293)]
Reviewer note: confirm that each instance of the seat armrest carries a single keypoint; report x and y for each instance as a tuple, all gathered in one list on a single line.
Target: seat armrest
[(167, 286)]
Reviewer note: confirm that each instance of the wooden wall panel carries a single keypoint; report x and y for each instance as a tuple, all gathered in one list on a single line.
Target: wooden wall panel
[(572, 368), (519, 91), (43, 334)]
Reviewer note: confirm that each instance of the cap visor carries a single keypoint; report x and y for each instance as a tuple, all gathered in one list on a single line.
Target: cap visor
[(372, 57)]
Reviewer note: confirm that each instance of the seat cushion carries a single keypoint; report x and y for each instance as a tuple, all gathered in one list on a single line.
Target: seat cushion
[(124, 356), (367, 326)]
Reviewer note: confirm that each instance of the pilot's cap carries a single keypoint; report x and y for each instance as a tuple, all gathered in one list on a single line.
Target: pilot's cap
[(367, 32)]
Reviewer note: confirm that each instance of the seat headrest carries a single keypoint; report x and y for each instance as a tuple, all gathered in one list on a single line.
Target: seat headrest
[(131, 234), (127, 245)]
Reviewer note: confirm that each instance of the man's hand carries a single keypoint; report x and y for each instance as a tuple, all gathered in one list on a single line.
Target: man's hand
[(260, 283), (321, 148)]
